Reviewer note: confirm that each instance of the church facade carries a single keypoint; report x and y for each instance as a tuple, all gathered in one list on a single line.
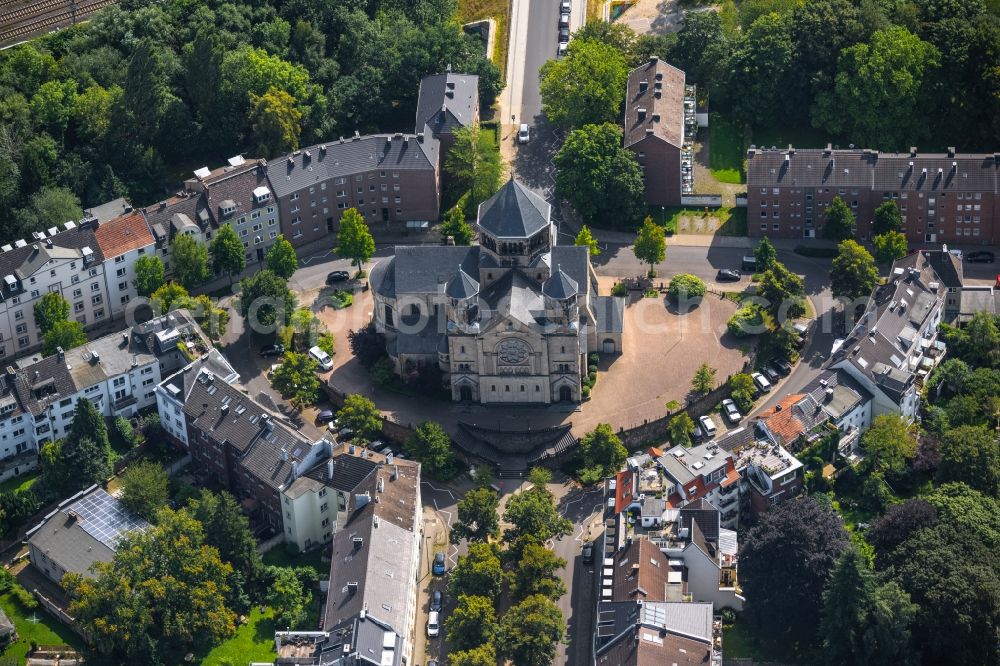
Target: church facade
[(512, 320)]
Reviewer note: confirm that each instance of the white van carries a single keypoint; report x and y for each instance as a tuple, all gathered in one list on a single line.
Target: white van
[(433, 624), (321, 357)]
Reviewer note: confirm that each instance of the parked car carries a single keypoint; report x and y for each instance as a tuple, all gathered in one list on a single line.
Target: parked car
[(276, 349), (728, 275), (334, 426), (783, 367), (760, 381), (588, 553), (707, 425), (523, 135), (730, 410), (325, 416), (321, 357), (337, 276), (345, 434), (564, 35), (561, 49), (433, 623), (771, 374), (749, 263), (438, 568), (980, 257), (437, 597), (565, 6), (697, 434), (564, 19)]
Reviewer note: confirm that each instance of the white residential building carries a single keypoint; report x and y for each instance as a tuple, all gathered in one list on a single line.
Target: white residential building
[(122, 241), (173, 391)]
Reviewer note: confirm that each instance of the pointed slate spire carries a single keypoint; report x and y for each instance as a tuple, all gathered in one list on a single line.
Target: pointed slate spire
[(461, 285)]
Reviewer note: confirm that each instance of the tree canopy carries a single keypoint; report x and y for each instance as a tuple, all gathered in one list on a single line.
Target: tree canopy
[(585, 87), (531, 630), (602, 451), (783, 292), (281, 259), (765, 254), (145, 489), (189, 259), (854, 273), (454, 225), (431, 445), (149, 274), (586, 239), (478, 519), (360, 415), (477, 573), (650, 244), (227, 252), (473, 164), (296, 378), (354, 241), (265, 301), (889, 247), (839, 221)]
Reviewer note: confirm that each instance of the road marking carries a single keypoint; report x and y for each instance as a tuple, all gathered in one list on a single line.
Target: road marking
[(439, 490)]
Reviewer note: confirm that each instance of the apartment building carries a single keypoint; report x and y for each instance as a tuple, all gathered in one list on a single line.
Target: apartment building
[(769, 474), (68, 261), (445, 103), (655, 128), (118, 373), (172, 392), (946, 197), (388, 178), (185, 213), (122, 241)]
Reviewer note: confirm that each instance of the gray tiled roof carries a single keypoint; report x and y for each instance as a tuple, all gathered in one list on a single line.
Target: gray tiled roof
[(349, 472), (809, 168), (847, 392), (574, 260), (462, 286), (943, 173), (237, 185), (109, 210), (513, 212), (459, 107), (560, 286), (610, 313), (947, 266), (351, 156), (514, 296), (662, 101), (160, 216), (24, 261), (426, 269), (236, 420)]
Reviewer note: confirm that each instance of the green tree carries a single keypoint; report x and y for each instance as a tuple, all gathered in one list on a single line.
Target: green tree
[(742, 390), (48, 207), (889, 444), (864, 623), (783, 293), (889, 247), (289, 599), (839, 222), (704, 379), (66, 334), (478, 519), (275, 122), (586, 239), (454, 225), (537, 572), (50, 310), (602, 451), (761, 62), (190, 261), (477, 573), (296, 379), (149, 274), (971, 455), (681, 427), (354, 241), (145, 489), (227, 529), (161, 595), (533, 518), (650, 244), (473, 163), (765, 254), (362, 416), (686, 289), (747, 320), (585, 87), (267, 297), (202, 62), (531, 630), (168, 297), (52, 106), (701, 49), (281, 259), (887, 218), (227, 253), (431, 445), (472, 623), (484, 655), (599, 177), (879, 91), (853, 274)]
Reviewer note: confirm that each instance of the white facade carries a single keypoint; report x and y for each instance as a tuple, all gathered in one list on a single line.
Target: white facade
[(120, 275)]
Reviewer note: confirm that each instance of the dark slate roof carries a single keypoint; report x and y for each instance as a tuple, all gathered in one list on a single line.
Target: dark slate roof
[(42, 383), (514, 296), (237, 184), (426, 269), (663, 102), (935, 173), (274, 454), (513, 212), (560, 286), (947, 266), (349, 472), (347, 157), (461, 286), (224, 412), (24, 261), (574, 260), (609, 312), (160, 215), (446, 102), (809, 168)]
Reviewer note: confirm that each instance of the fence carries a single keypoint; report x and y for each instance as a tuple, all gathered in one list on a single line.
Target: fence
[(60, 614), (271, 543)]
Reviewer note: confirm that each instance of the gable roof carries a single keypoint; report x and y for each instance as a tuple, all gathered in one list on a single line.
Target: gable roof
[(513, 212), (461, 286), (63, 245), (446, 102), (560, 286), (641, 572), (659, 102), (235, 186), (123, 234)]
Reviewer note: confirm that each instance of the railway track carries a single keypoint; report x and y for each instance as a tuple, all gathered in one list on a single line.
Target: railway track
[(19, 23)]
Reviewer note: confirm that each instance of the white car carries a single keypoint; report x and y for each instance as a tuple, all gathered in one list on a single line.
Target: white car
[(564, 19), (707, 425), (561, 49), (565, 6), (761, 382), (522, 134), (730, 410), (433, 624), (321, 357)]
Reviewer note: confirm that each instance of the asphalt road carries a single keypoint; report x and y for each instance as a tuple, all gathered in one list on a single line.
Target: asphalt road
[(540, 46)]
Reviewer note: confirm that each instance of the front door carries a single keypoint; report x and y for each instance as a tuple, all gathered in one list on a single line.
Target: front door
[(565, 394), (609, 346), (465, 393)]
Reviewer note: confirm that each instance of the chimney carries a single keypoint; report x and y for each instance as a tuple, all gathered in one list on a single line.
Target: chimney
[(60, 353), (395, 473), (913, 151), (388, 458), (284, 454), (295, 469), (329, 468), (352, 588), (358, 542), (654, 60), (951, 151)]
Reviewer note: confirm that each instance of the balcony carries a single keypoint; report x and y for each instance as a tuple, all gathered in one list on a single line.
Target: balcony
[(124, 402)]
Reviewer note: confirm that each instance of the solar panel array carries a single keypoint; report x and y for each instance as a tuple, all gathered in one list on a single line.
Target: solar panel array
[(103, 517)]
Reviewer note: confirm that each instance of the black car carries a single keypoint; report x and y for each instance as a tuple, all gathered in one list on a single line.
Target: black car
[(436, 598), (588, 553), (980, 257), (771, 374), (272, 350), (782, 366), (337, 276), (728, 275)]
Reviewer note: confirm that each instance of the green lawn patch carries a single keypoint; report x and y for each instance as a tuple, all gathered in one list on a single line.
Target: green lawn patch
[(725, 150), (253, 641), (280, 557), (666, 216), (738, 641), (20, 482), (46, 631)]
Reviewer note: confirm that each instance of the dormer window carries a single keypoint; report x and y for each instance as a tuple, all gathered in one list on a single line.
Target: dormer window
[(227, 207)]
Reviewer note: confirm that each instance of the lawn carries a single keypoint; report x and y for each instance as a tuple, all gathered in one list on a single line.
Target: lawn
[(734, 220), (470, 11), (280, 557), (46, 631), (738, 642), (253, 642), (725, 150), (595, 10), (21, 482)]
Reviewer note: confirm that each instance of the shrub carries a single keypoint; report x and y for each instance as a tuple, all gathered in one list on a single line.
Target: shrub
[(382, 372), (619, 289), (591, 368), (25, 598), (585, 392), (594, 358), (592, 377), (341, 299), (728, 615), (748, 320), (690, 286)]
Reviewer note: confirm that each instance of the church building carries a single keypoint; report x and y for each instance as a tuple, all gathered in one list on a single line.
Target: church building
[(511, 320)]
